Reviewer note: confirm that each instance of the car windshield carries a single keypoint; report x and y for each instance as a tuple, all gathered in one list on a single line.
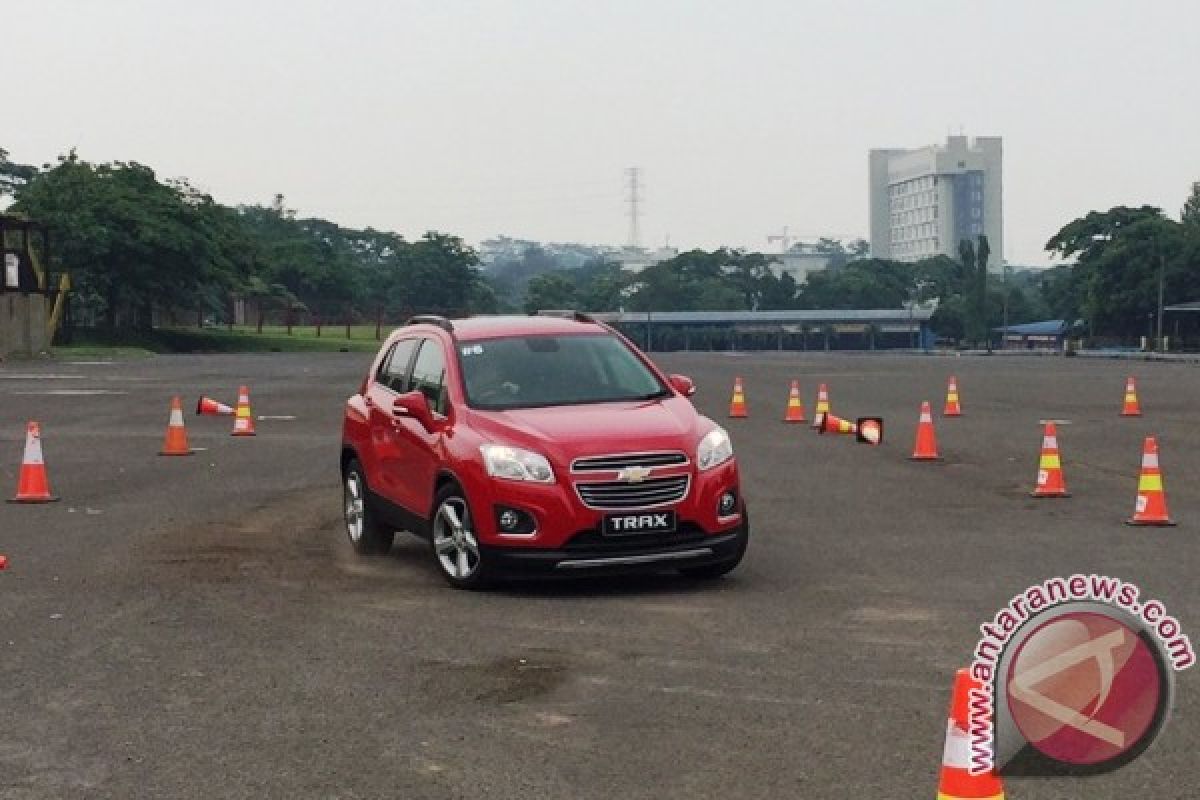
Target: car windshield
[(532, 371)]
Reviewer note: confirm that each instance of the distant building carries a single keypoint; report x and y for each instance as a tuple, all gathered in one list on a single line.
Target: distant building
[(924, 202), (636, 259), (799, 261)]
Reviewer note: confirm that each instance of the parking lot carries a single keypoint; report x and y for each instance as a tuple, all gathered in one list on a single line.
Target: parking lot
[(198, 627)]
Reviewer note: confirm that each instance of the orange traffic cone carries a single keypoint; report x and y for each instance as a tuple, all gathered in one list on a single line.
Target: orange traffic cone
[(1151, 508), (1050, 481), (952, 408), (243, 423), (1131, 407), (925, 448), (956, 781), (795, 408), (32, 484), (737, 406), (211, 408), (832, 424), (176, 442), (822, 406)]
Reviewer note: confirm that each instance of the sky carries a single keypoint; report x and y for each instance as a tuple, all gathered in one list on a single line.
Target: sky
[(521, 117)]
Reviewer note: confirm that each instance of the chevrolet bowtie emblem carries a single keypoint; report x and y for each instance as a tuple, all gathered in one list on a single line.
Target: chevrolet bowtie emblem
[(633, 474)]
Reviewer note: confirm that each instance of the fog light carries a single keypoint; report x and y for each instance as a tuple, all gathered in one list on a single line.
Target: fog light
[(514, 520), (727, 505)]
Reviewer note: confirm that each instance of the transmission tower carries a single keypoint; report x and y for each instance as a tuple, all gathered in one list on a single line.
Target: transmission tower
[(633, 188)]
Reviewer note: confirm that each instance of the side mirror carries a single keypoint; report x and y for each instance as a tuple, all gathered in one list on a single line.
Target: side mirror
[(415, 405), (682, 384)]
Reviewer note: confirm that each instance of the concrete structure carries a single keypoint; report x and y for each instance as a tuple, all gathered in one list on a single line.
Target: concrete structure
[(797, 329), (23, 324), (1048, 334), (924, 202)]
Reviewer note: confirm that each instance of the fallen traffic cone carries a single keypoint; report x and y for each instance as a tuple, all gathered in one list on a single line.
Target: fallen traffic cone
[(737, 406), (956, 781), (832, 424), (795, 408), (925, 448), (1131, 407), (870, 430), (176, 442), (211, 408), (952, 408), (822, 406), (1151, 507), (32, 484), (243, 423), (1050, 481)]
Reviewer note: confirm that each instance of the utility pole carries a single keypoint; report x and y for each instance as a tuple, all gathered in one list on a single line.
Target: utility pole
[(633, 188)]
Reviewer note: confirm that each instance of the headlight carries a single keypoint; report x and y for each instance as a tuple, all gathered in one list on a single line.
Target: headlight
[(715, 448), (515, 464)]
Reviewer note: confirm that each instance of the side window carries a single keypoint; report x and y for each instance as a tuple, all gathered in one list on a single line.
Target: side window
[(429, 375), (394, 372)]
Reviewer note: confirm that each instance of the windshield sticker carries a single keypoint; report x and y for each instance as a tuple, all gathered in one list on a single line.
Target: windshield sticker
[(473, 350)]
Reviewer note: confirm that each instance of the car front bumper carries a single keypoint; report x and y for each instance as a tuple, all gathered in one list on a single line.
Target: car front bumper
[(588, 553)]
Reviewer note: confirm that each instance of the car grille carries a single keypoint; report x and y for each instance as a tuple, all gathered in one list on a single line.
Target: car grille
[(619, 462), (649, 493)]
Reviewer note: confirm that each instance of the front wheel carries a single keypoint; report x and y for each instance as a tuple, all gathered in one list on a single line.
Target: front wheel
[(456, 549), (366, 535)]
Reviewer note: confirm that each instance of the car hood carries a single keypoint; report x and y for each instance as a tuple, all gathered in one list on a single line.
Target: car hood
[(563, 433)]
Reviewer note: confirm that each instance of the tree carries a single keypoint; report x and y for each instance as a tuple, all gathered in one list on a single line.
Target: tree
[(1121, 254), (868, 283), (550, 290), (838, 257), (980, 287), (600, 285), (975, 327), (130, 239), (1190, 215), (13, 176)]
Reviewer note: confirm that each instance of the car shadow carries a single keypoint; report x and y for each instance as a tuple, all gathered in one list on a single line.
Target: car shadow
[(412, 552)]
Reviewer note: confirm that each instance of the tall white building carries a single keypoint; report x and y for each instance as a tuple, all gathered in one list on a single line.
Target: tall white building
[(925, 201)]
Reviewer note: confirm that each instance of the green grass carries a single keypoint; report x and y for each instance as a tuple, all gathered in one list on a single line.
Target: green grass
[(212, 340)]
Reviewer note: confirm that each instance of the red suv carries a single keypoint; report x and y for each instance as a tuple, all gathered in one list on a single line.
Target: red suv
[(540, 445)]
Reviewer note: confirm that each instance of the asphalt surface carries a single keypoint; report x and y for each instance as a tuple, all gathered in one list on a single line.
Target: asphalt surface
[(197, 627)]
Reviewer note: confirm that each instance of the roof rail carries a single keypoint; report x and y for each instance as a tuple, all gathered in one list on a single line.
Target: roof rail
[(563, 313), (431, 319)]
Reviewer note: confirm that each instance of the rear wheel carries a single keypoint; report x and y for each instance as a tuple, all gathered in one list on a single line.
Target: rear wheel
[(455, 547), (366, 535)]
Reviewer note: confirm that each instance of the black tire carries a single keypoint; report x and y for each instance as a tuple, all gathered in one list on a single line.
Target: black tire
[(367, 536), (447, 549), (721, 568)]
